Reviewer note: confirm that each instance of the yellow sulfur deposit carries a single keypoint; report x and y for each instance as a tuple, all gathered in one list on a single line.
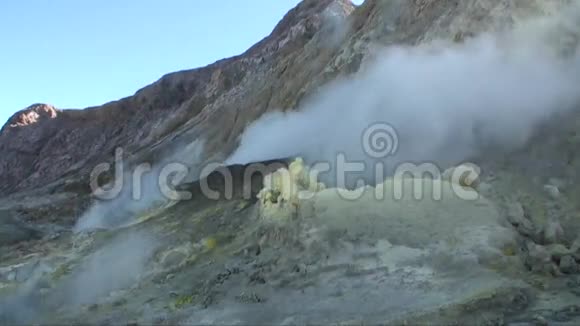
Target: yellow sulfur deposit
[(285, 185), (284, 188), (210, 243)]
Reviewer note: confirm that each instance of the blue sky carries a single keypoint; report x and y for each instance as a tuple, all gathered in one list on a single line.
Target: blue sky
[(75, 54)]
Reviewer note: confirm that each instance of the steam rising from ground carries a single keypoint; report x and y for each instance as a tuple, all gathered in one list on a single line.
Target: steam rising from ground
[(447, 102), (118, 265), (140, 192)]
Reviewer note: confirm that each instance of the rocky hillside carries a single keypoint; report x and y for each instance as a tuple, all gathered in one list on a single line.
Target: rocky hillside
[(314, 43), (305, 255), (37, 149)]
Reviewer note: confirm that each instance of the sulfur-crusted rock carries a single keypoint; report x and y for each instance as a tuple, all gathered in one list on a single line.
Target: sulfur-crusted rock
[(285, 189)]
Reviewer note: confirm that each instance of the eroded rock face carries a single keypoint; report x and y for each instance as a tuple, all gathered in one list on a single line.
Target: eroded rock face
[(314, 43), (33, 114), (41, 144)]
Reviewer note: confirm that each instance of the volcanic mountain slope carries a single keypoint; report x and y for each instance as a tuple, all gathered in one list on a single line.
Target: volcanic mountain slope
[(316, 42), (234, 91), (284, 257), (313, 44)]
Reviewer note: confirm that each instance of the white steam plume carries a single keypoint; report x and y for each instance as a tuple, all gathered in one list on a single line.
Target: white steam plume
[(444, 100), (140, 192), (116, 266)]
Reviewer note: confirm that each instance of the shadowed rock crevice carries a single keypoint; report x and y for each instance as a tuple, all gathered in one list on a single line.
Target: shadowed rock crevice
[(233, 182)]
